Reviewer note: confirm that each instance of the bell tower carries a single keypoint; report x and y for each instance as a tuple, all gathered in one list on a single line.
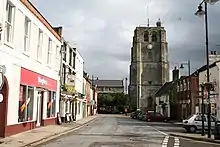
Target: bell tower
[(149, 68)]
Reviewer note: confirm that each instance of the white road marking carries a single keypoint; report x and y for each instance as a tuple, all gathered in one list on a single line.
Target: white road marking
[(176, 142), (159, 131), (165, 141)]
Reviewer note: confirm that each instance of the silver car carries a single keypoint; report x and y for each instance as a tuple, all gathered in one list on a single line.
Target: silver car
[(194, 123)]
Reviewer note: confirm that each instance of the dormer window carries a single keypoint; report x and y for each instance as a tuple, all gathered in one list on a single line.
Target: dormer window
[(146, 36), (154, 36)]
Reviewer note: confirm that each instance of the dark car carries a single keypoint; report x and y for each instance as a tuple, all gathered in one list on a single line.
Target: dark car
[(134, 114), (155, 116)]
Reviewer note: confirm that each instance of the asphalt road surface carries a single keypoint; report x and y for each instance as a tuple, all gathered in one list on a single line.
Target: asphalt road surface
[(121, 131)]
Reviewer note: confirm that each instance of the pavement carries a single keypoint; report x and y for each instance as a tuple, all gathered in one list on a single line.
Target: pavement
[(40, 135), (122, 131)]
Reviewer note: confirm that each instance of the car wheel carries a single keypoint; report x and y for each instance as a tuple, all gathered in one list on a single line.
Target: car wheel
[(192, 129)]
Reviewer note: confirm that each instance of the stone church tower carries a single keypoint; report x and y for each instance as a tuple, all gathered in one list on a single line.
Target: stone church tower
[(149, 68)]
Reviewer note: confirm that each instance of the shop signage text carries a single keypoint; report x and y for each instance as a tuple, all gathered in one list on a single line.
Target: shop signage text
[(34, 79), (42, 81)]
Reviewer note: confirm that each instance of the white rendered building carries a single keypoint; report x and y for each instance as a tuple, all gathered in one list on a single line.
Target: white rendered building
[(29, 49)]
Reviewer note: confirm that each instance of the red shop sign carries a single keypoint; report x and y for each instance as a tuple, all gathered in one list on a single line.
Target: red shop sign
[(37, 80)]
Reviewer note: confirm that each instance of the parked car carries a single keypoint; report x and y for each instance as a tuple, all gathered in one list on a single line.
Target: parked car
[(194, 123), (134, 114), (141, 116), (155, 116)]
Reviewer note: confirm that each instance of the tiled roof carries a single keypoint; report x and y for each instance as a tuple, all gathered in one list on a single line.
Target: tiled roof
[(108, 83), (165, 88)]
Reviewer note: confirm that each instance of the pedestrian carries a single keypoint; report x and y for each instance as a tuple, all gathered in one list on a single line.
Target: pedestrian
[(126, 110)]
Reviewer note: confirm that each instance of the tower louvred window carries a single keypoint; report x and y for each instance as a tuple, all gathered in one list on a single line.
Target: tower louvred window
[(146, 36)]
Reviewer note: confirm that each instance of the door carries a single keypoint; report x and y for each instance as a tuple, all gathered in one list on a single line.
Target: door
[(198, 122), (39, 108)]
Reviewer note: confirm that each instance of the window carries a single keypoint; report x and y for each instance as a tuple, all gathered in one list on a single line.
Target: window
[(40, 43), (154, 36), (9, 22), (199, 118), (79, 104), (25, 105), (57, 55), (51, 104), (146, 36), (27, 24), (70, 56), (49, 52)]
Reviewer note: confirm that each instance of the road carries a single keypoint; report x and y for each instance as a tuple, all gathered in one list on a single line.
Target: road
[(121, 131)]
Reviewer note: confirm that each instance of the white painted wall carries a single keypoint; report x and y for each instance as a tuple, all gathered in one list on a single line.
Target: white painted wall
[(165, 99), (79, 72), (14, 58), (214, 75)]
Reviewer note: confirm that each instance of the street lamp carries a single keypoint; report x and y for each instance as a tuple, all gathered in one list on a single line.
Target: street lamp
[(188, 64), (201, 12)]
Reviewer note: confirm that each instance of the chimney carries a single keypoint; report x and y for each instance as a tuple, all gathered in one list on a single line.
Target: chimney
[(59, 30), (214, 52), (211, 52), (175, 74)]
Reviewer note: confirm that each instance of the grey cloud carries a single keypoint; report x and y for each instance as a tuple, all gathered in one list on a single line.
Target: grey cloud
[(103, 30)]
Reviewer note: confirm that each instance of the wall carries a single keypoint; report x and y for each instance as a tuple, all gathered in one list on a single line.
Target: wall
[(214, 76), (13, 56), (79, 72)]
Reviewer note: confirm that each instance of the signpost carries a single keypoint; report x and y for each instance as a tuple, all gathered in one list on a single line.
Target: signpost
[(2, 72)]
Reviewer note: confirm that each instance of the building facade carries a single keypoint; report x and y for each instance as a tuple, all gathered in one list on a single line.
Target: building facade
[(109, 86), (214, 93), (29, 50), (187, 95), (88, 93), (68, 92), (149, 68), (80, 98)]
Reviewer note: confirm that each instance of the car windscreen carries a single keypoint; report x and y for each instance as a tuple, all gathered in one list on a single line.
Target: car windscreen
[(189, 116)]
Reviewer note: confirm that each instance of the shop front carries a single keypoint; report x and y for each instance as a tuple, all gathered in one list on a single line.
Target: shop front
[(37, 102)]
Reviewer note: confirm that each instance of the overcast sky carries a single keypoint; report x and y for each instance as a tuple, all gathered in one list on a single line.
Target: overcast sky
[(103, 30)]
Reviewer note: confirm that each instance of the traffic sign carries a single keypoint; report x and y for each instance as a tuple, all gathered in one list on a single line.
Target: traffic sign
[(1, 98), (1, 80)]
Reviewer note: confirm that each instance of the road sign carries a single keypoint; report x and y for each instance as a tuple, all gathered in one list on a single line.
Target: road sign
[(1, 80), (2, 69), (1, 98)]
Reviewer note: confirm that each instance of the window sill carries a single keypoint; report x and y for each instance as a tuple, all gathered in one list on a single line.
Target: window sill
[(9, 45), (26, 54), (28, 121), (49, 66), (50, 118), (39, 61)]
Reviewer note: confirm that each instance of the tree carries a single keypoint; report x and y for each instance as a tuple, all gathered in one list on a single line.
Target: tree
[(112, 100)]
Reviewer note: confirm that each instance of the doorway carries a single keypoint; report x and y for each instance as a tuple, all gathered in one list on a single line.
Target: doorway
[(40, 96), (3, 108)]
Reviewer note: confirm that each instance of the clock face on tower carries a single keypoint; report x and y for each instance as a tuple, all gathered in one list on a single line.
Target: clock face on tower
[(149, 46)]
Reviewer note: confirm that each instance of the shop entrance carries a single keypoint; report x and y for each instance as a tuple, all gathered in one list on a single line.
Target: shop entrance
[(40, 97), (3, 108)]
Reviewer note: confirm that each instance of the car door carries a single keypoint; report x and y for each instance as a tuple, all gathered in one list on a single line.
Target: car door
[(198, 121), (213, 120), (158, 117)]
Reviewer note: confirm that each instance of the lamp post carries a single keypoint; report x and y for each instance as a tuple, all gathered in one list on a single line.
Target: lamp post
[(189, 66), (200, 12), (203, 127)]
